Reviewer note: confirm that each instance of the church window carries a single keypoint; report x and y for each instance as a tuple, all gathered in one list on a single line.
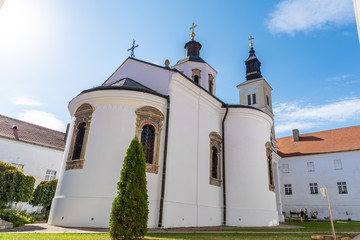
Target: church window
[(288, 189), (148, 130), (337, 164), (215, 151), (313, 188), (147, 141), (267, 100), (310, 166), (211, 84), (269, 165), (76, 155), (249, 99), (342, 187), (254, 98), (20, 167), (196, 75)]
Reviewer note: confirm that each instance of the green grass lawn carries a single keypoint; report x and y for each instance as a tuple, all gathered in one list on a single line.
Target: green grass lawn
[(318, 227)]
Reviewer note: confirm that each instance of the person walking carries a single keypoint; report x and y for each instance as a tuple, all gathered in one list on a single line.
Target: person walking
[(306, 215)]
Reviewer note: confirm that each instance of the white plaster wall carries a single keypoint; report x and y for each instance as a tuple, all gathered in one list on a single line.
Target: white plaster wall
[(205, 69), (249, 200), (84, 196), (189, 198), (151, 76), (36, 160), (325, 176)]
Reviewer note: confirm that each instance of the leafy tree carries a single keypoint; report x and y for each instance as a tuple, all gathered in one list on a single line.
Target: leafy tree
[(14, 185), (43, 195), (129, 214)]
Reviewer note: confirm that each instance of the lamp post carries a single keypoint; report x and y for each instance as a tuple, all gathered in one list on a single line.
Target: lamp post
[(325, 195)]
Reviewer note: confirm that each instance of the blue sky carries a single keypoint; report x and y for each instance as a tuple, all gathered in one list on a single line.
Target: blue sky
[(309, 49)]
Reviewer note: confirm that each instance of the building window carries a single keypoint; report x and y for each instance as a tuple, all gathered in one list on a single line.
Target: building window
[(288, 189), (19, 167), (342, 187), (310, 167), (337, 164), (211, 84), (196, 75), (147, 141), (76, 155), (285, 168), (269, 164), (148, 130), (215, 151), (313, 188), (267, 100), (249, 99), (254, 98), (50, 175)]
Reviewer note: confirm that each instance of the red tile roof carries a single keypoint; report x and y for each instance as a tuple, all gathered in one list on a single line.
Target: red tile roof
[(337, 140), (31, 133)]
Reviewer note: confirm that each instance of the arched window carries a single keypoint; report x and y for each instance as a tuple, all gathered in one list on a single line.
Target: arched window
[(196, 79), (211, 84), (196, 75), (76, 155), (79, 140), (215, 159), (148, 130), (147, 141), (215, 152)]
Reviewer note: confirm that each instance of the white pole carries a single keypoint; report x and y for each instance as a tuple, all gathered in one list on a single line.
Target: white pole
[(324, 193)]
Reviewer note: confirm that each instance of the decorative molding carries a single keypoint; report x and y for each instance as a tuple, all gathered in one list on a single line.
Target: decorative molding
[(269, 161), (83, 115), (151, 116), (215, 141)]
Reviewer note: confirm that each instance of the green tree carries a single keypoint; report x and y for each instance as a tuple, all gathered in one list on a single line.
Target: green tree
[(129, 214), (14, 185), (43, 195)]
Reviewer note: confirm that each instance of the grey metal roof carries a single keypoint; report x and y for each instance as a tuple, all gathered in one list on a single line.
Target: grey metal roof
[(190, 59)]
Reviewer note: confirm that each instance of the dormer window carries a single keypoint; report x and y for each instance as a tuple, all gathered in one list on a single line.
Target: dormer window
[(196, 75)]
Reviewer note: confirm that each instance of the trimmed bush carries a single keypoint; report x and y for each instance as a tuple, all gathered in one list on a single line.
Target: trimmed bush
[(14, 185), (129, 215), (16, 218), (43, 195)]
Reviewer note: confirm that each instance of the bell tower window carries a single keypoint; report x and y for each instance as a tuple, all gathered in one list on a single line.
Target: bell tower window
[(249, 99), (254, 98), (196, 75), (211, 84)]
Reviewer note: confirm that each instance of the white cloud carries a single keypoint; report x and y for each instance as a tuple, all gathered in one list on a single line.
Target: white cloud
[(44, 119), (300, 116), (341, 77), (292, 16), (26, 101)]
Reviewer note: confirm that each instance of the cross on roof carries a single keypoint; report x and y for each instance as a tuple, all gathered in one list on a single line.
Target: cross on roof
[(192, 35), (132, 49), (250, 39)]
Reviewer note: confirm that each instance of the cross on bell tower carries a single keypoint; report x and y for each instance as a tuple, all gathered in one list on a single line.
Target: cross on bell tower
[(132, 49)]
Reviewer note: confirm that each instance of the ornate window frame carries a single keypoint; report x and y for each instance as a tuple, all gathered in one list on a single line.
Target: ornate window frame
[(269, 166), (83, 115), (196, 72), (211, 83), (215, 141), (150, 116)]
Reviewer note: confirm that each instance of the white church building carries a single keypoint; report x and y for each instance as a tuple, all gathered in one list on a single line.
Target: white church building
[(208, 163)]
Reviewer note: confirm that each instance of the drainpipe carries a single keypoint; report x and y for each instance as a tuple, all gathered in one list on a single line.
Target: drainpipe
[(223, 162), (164, 163)]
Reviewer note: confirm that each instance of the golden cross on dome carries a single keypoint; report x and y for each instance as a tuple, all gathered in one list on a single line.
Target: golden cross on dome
[(192, 35), (250, 39)]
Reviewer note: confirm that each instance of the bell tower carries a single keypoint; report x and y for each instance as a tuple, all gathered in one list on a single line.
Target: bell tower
[(256, 91)]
